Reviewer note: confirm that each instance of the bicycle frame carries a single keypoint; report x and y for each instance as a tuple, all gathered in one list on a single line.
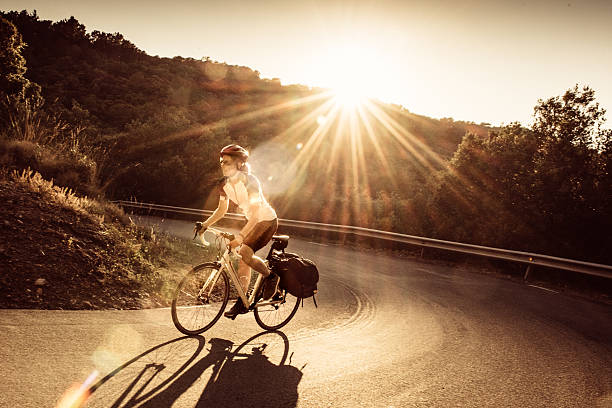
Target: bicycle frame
[(225, 263)]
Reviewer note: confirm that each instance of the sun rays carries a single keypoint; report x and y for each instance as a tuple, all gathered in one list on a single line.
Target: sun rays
[(348, 149), (248, 115), (342, 152)]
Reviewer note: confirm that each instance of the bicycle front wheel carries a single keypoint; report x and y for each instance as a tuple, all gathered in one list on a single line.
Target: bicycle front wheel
[(276, 312), (200, 299)]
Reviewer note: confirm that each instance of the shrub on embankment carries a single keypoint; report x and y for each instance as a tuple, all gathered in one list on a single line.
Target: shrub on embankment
[(61, 251)]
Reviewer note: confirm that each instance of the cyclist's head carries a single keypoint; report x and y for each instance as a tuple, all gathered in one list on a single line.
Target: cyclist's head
[(234, 157), (235, 150)]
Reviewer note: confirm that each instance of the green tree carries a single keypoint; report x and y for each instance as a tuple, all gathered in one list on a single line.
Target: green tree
[(572, 168), (71, 29), (13, 84), (545, 189)]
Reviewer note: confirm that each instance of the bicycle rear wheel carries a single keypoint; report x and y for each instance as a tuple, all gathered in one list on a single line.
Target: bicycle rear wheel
[(279, 313), (200, 299)]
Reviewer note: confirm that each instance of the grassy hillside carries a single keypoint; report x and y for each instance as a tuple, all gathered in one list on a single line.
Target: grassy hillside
[(60, 251)]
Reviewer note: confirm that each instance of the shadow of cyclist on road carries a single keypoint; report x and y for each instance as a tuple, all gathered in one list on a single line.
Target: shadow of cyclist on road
[(250, 379), (253, 375), (146, 374)]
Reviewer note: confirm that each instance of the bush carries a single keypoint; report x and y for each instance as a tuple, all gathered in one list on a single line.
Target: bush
[(75, 172)]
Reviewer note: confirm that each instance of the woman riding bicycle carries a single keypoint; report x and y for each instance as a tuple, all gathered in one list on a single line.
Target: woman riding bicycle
[(243, 188)]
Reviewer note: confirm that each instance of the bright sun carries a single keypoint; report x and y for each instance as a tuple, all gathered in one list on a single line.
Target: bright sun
[(353, 73), (349, 97)]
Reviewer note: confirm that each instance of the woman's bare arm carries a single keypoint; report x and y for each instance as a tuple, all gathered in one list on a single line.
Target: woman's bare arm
[(219, 212)]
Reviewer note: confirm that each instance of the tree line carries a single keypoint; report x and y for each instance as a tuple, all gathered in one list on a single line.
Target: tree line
[(99, 115)]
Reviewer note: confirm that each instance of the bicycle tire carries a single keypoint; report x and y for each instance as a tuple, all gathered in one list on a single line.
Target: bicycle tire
[(273, 318), (189, 312)]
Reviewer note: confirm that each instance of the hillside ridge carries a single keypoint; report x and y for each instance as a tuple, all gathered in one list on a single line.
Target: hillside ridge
[(59, 251)]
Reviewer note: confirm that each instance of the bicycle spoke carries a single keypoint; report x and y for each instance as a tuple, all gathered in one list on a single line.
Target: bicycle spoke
[(192, 309), (276, 314), (188, 294)]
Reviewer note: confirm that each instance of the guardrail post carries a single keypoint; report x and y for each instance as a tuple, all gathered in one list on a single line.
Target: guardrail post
[(527, 272), (422, 251)]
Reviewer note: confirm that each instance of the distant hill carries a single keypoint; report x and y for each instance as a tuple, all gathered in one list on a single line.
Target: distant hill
[(163, 119)]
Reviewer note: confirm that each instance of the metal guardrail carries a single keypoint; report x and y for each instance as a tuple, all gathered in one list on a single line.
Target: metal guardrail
[(530, 259)]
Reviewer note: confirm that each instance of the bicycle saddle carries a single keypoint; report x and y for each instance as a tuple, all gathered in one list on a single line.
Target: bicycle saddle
[(279, 242)]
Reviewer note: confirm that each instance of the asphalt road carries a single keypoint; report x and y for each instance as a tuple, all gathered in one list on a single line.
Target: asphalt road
[(388, 332)]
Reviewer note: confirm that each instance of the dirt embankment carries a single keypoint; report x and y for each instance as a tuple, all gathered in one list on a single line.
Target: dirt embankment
[(59, 251)]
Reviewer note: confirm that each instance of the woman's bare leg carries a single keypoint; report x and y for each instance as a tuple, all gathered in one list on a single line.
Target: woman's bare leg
[(244, 275), (254, 261)]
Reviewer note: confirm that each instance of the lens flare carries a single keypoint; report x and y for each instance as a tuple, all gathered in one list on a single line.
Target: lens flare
[(119, 343), (269, 162), (76, 396)]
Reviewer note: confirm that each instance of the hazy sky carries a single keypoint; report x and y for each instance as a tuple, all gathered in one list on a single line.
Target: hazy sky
[(484, 61)]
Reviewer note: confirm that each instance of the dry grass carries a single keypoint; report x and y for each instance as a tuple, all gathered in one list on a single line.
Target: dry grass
[(88, 250)]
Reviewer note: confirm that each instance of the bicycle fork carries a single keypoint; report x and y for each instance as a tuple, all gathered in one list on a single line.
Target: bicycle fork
[(209, 285)]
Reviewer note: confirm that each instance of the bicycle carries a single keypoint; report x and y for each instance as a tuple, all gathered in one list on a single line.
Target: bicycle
[(202, 295)]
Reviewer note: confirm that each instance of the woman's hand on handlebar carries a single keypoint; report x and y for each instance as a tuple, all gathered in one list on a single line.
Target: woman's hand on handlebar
[(235, 242)]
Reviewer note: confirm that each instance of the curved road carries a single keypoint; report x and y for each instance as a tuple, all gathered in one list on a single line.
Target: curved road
[(388, 332)]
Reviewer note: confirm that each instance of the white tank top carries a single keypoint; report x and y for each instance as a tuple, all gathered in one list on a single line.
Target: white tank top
[(245, 193)]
